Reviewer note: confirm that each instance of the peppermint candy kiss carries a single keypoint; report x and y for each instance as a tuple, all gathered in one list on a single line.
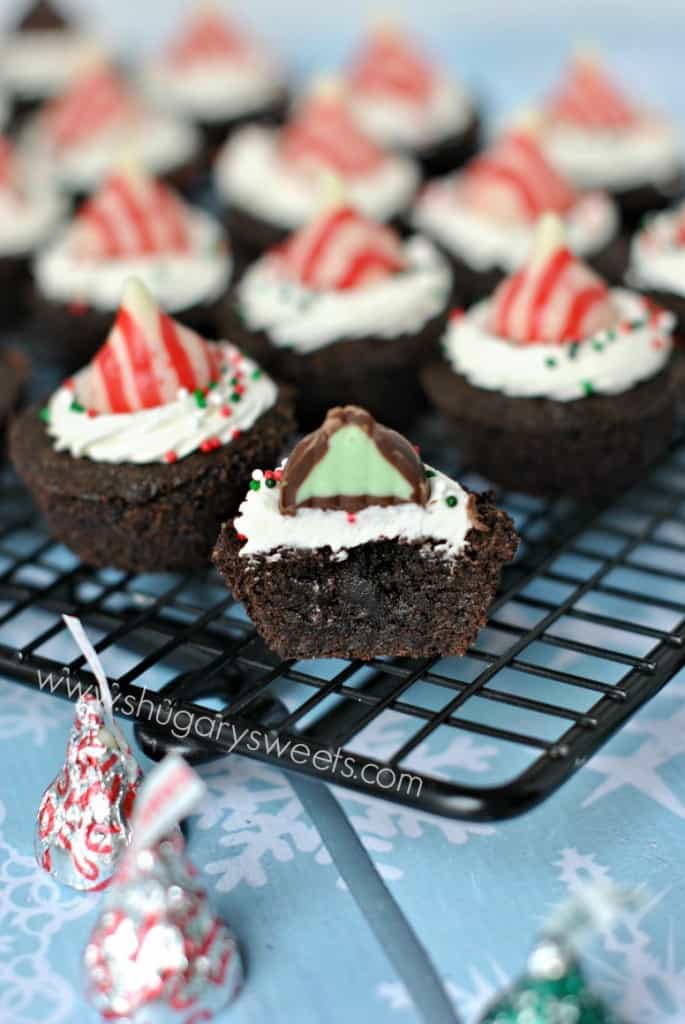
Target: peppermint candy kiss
[(147, 357), (514, 181), (554, 298), (587, 97), (8, 166), (209, 36), (132, 215), (97, 99), (390, 65), (324, 135), (341, 250)]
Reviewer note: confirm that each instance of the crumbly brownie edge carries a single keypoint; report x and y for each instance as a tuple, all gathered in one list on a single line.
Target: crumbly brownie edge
[(385, 598)]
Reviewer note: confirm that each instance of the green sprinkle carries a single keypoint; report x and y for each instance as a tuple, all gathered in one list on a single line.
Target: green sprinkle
[(430, 473), (76, 406), (213, 384), (200, 399), (551, 362), (451, 500), (598, 346), (635, 325), (235, 397), (588, 387), (45, 414), (270, 482), (611, 335), (256, 374), (573, 350), (254, 485)]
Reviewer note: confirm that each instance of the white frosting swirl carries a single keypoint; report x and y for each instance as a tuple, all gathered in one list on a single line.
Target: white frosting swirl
[(35, 65), (266, 529), (149, 435), (249, 173), (158, 142), (408, 125), (178, 281), (615, 160), (609, 363), (483, 243), (212, 91), (657, 259), (305, 320)]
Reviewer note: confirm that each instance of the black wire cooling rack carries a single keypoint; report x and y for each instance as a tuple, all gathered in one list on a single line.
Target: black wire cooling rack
[(589, 624)]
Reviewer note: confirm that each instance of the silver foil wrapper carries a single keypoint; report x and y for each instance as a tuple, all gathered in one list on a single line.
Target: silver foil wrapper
[(158, 955), (83, 825)]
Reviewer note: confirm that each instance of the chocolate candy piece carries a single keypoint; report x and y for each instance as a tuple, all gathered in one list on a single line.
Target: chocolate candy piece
[(350, 463), (42, 17)]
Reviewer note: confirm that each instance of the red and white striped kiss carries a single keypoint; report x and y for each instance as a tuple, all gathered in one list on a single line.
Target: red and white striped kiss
[(96, 99), (390, 65), (513, 181), (208, 37), (132, 215), (147, 357), (341, 250), (323, 134), (587, 97), (554, 298), (8, 166)]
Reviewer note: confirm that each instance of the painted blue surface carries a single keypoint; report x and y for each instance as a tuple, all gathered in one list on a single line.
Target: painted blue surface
[(475, 894)]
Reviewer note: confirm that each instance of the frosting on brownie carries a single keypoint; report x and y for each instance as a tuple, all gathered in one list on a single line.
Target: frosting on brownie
[(554, 330), (156, 392), (657, 254), (38, 64), (135, 226), (444, 521)]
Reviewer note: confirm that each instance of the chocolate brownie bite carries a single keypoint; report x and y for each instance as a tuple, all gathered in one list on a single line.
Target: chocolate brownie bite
[(14, 373), (133, 226), (558, 384), (345, 311), (406, 103), (137, 460), (601, 140), (82, 132), (216, 76), (355, 549), (268, 178), (657, 262), (30, 210), (484, 216), (38, 56)]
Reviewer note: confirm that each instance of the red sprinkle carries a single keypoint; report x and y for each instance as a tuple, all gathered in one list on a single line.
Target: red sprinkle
[(77, 308), (278, 473), (92, 413), (351, 517), (456, 314), (241, 537), (239, 389), (170, 457), (657, 343), (210, 445), (236, 434), (269, 474), (69, 384), (226, 411)]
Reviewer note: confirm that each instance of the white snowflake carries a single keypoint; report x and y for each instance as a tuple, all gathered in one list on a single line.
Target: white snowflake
[(34, 911), (29, 713), (262, 819), (665, 740), (646, 987)]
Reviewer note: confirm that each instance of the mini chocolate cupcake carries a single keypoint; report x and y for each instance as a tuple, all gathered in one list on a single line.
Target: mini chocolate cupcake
[(137, 460), (355, 549), (269, 178), (133, 226), (600, 140), (484, 217), (30, 209), (657, 262), (557, 384), (214, 75), (405, 103), (345, 311), (82, 132), (14, 372), (37, 58)]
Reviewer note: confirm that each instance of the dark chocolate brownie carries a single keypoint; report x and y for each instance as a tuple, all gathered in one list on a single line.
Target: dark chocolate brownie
[(72, 334), (385, 598), (15, 290), (42, 17), (215, 133), (379, 374), (472, 285), (145, 518), (14, 372), (589, 448), (641, 199)]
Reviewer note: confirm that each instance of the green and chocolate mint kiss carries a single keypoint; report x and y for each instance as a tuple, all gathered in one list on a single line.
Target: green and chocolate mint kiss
[(350, 463)]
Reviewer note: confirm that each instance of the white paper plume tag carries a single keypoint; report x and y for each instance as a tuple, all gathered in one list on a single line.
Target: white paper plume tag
[(170, 792)]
